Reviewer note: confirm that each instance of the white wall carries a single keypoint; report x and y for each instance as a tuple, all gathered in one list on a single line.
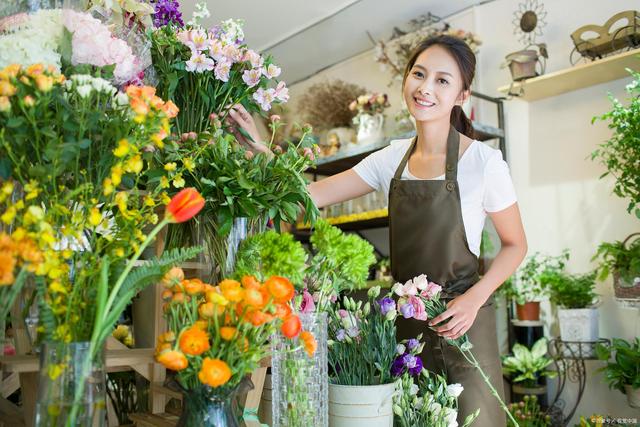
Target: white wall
[(563, 203)]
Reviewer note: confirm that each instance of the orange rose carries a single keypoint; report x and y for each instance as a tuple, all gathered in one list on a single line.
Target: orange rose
[(231, 290), (309, 342), (227, 332), (214, 372), (172, 359), (291, 326), (194, 341), (282, 311), (280, 288)]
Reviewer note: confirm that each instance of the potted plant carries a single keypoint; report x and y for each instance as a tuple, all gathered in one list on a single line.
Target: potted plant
[(528, 413), (623, 373), (525, 368), (525, 287), (622, 260), (575, 297)]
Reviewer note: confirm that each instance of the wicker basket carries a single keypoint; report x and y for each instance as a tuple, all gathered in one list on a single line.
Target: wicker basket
[(623, 288)]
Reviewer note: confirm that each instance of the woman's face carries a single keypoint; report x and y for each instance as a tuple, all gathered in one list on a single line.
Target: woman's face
[(434, 85)]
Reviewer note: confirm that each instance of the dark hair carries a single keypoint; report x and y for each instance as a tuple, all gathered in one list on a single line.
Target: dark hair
[(466, 60)]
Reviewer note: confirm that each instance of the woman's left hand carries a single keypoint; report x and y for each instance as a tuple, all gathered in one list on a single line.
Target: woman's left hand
[(461, 312)]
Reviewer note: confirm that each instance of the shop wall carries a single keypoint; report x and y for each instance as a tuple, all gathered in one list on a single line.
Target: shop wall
[(563, 202)]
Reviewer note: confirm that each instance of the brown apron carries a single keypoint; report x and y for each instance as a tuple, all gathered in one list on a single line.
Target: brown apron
[(427, 236)]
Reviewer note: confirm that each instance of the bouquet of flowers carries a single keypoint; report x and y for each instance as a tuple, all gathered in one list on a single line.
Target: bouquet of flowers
[(425, 399), (420, 300), (207, 71), (362, 341), (369, 103)]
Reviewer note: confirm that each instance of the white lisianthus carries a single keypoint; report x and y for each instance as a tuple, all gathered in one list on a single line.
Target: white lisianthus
[(400, 349), (451, 417), (414, 389), (454, 390)]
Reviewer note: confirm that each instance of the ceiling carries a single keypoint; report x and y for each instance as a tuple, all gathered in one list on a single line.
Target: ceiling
[(305, 37)]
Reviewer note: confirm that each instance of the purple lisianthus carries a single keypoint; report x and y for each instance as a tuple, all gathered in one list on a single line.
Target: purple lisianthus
[(386, 305), (341, 334), (413, 344), (397, 368), (407, 311), (167, 12), (407, 362)]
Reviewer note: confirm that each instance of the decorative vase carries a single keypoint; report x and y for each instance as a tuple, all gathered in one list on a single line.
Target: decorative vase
[(299, 381), (71, 387), (370, 127), (633, 396), (576, 326), (361, 406), (210, 407), (528, 311)]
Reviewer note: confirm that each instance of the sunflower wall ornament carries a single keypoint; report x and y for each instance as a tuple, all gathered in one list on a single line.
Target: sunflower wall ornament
[(528, 21)]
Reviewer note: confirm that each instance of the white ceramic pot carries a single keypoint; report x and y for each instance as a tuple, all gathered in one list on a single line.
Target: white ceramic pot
[(370, 128), (633, 396), (361, 406), (579, 324)]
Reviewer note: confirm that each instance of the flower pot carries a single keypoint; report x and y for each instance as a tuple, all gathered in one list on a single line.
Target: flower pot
[(361, 406), (210, 407), (71, 386), (264, 410), (579, 325), (370, 127), (528, 311), (299, 381), (626, 288), (633, 396), (522, 390)]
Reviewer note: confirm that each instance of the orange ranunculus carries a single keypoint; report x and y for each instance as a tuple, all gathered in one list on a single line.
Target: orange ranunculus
[(214, 372), (193, 286), (201, 324), (207, 287), (250, 282), (139, 106), (282, 310), (178, 297), (254, 298), (257, 317), (280, 288), (170, 109), (173, 359), (309, 342), (231, 290), (167, 295), (194, 341), (168, 336), (291, 326), (173, 276), (227, 332), (184, 205), (162, 347), (207, 310), (215, 297)]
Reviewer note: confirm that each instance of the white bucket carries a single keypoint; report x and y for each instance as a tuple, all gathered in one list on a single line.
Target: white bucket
[(579, 324), (264, 410), (361, 406)]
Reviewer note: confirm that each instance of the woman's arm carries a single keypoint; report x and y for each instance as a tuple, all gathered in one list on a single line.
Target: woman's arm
[(463, 309)]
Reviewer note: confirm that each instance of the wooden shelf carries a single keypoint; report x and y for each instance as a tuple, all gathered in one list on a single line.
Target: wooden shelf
[(349, 156), (577, 77)]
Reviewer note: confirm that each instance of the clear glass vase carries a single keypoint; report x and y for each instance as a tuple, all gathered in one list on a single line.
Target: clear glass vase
[(299, 382), (370, 127), (210, 407), (71, 388)]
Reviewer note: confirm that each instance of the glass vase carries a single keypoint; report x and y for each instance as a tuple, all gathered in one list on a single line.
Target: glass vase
[(210, 407), (299, 382), (71, 387), (370, 127)]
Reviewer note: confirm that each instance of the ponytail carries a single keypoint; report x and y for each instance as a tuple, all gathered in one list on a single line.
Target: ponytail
[(461, 122)]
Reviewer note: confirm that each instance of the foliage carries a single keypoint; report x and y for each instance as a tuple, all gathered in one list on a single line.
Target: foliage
[(621, 153), (619, 258), (570, 290), (525, 285), (624, 369), (528, 413), (527, 366)]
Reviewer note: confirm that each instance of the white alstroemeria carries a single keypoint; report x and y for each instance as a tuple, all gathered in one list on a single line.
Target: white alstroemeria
[(199, 63), (454, 390)]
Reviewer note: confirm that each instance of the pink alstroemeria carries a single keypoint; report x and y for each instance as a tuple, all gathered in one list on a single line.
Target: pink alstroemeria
[(222, 70), (232, 53), (251, 77), (265, 98), (254, 58), (282, 92), (197, 40), (199, 63), (271, 71), (216, 50)]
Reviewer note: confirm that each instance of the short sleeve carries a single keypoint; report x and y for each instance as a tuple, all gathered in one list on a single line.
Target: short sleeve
[(370, 169), (499, 192)]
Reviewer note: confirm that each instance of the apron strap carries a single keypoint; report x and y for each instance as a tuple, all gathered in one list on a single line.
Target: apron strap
[(403, 163)]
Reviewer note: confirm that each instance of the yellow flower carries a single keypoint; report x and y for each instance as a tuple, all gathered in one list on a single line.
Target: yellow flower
[(9, 215), (7, 89), (67, 253), (57, 287), (216, 298), (188, 163), (121, 201), (108, 186), (119, 252), (33, 215), (178, 181), (10, 71), (135, 164), (32, 190), (44, 83), (19, 234), (122, 149), (157, 140), (5, 104), (153, 219), (29, 101), (116, 174), (95, 217), (148, 201), (170, 166), (55, 370), (139, 119), (35, 69), (164, 183), (165, 198)]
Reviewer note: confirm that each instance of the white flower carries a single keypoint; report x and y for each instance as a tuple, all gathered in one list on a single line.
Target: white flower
[(271, 71), (435, 407), (454, 389), (265, 98), (84, 90), (282, 92), (451, 416), (199, 63), (414, 389), (222, 70), (421, 282), (200, 12), (121, 99), (400, 349)]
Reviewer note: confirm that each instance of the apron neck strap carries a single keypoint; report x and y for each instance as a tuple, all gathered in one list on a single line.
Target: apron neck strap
[(451, 163)]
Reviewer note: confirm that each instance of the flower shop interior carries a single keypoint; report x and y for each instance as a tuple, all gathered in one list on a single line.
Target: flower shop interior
[(164, 259)]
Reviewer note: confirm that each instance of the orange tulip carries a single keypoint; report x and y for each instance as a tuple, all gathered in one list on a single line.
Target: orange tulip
[(280, 288), (172, 359), (227, 332), (194, 341), (282, 311), (309, 342), (184, 205), (291, 326), (214, 372), (231, 290)]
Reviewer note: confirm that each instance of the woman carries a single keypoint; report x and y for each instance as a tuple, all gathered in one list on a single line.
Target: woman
[(441, 186)]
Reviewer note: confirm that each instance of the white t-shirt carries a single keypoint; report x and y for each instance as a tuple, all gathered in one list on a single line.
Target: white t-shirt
[(483, 178)]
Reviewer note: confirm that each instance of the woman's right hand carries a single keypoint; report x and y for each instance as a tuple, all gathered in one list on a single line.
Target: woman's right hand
[(239, 118)]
